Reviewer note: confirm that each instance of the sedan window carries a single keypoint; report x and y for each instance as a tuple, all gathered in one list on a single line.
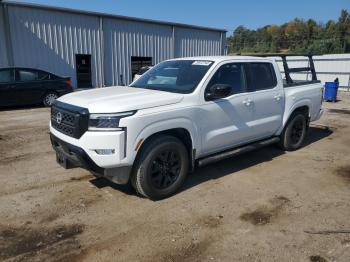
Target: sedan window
[(27, 75), (5, 76)]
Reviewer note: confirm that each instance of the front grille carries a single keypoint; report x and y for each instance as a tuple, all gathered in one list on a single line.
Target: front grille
[(69, 120)]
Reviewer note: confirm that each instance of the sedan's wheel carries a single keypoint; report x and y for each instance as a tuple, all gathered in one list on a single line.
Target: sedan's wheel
[(49, 99), (294, 134), (161, 167)]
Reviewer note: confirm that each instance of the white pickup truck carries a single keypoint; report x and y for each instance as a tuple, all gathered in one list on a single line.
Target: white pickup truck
[(180, 114)]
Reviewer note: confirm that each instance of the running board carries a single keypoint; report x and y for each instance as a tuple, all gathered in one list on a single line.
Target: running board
[(236, 151)]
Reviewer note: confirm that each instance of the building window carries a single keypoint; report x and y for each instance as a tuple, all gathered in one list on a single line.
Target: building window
[(138, 62)]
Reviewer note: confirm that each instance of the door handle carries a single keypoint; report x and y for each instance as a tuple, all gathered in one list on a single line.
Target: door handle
[(247, 102), (277, 97)]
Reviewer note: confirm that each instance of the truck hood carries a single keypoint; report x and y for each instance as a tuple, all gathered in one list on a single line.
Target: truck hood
[(120, 99)]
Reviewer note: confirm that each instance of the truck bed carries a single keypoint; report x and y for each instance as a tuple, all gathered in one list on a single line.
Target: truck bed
[(308, 93), (299, 83)]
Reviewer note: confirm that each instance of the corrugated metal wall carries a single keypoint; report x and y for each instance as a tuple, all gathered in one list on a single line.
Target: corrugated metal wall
[(328, 67), (3, 51), (123, 39), (49, 40), (194, 42)]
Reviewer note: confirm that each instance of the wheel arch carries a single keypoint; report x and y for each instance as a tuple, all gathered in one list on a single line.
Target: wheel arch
[(302, 106), (181, 133)]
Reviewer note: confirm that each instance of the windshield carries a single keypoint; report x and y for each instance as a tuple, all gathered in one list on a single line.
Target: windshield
[(178, 76)]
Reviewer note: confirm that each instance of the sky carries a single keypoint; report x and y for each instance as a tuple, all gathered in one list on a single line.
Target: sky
[(225, 14)]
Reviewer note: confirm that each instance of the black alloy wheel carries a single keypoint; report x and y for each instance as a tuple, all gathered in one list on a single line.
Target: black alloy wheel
[(165, 169)]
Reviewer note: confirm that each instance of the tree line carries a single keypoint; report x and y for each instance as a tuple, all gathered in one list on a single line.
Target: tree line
[(296, 36)]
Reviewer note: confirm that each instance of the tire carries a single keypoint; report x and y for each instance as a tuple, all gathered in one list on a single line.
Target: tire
[(293, 136), (49, 98), (160, 168)]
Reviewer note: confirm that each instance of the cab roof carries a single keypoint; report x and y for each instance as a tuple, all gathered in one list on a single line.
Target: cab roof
[(224, 58)]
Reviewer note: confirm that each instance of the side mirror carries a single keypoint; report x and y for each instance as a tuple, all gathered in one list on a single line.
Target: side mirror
[(218, 91)]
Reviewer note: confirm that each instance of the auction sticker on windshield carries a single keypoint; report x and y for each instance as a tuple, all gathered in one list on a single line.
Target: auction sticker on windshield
[(202, 63)]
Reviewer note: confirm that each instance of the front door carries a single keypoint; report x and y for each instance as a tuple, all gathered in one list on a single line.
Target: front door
[(83, 66), (224, 122)]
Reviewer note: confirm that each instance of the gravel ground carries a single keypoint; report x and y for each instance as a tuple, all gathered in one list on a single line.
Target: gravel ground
[(255, 207)]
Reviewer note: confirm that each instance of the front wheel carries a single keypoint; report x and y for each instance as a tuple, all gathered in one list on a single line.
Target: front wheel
[(161, 167), (49, 99), (294, 134)]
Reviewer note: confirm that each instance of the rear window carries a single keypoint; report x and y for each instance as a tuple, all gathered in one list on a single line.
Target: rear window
[(43, 75), (261, 77)]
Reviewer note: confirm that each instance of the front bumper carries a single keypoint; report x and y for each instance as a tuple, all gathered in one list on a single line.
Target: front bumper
[(89, 142), (71, 156)]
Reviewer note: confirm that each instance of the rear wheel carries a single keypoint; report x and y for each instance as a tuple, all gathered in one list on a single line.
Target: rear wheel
[(161, 167), (294, 134), (49, 99)]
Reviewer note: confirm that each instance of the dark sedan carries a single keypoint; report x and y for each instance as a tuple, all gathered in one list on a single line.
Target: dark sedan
[(25, 86)]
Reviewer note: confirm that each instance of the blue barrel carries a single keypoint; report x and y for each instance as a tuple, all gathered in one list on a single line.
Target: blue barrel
[(331, 90)]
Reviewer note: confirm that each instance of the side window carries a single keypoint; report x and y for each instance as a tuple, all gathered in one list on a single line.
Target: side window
[(27, 75), (53, 77), (230, 74), (261, 77), (42, 75), (6, 76)]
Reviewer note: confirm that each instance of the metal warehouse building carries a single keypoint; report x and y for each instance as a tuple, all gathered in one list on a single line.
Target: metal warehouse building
[(95, 49)]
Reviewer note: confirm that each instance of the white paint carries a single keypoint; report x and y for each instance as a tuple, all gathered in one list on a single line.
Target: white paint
[(213, 125)]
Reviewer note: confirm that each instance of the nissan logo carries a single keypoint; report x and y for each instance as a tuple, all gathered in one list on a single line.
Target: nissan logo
[(59, 118)]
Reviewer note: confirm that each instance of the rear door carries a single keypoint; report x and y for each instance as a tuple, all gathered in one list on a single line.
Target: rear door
[(266, 100), (30, 85), (7, 87)]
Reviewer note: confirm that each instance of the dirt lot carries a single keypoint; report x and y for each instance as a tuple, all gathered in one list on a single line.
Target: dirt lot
[(255, 207)]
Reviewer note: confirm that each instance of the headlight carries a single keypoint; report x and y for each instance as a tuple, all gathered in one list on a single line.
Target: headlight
[(107, 122)]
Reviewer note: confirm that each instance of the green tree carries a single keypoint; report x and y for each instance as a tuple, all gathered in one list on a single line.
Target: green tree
[(294, 36)]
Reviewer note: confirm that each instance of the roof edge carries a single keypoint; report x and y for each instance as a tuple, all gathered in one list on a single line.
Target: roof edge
[(107, 15)]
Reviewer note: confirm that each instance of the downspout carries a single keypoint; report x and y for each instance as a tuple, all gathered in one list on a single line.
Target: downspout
[(102, 52), (222, 45), (7, 32), (173, 40)]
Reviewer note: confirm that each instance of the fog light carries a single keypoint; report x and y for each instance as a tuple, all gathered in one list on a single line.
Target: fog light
[(105, 151)]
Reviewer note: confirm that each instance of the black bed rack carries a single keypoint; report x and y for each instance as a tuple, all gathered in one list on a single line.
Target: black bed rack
[(287, 70)]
